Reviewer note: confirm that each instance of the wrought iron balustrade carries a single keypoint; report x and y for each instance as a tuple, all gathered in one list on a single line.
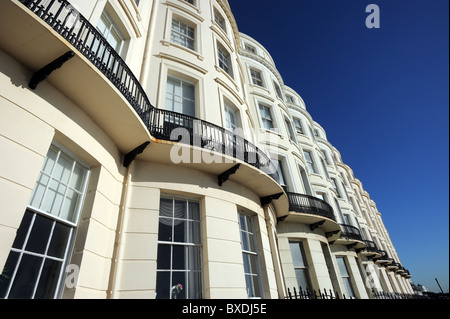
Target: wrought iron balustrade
[(62, 17), (313, 294), (350, 232), (371, 246), (172, 126), (307, 204)]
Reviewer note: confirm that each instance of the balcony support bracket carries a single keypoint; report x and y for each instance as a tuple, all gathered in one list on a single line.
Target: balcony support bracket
[(130, 157), (226, 175), (268, 199), (331, 233), (281, 219), (351, 246), (45, 72), (315, 225)]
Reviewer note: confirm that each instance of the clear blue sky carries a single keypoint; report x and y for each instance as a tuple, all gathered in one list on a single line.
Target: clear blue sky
[(382, 96)]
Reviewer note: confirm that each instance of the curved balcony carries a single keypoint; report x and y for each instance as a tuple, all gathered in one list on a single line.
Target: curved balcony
[(371, 249), (393, 266), (314, 212), (351, 237), (406, 274), (400, 269), (384, 258), (97, 79)]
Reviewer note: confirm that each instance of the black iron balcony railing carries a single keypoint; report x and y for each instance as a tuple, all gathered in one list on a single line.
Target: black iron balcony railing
[(350, 232), (306, 204), (384, 258), (172, 126), (62, 17), (371, 246)]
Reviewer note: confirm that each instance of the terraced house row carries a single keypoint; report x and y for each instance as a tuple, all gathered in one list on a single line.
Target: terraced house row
[(151, 150)]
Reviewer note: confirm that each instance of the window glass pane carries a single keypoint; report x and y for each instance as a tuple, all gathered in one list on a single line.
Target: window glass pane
[(164, 256), (179, 278), (49, 279), (70, 205), (297, 256), (59, 241), (38, 191), (249, 285), (247, 261), (195, 285), (348, 287), (302, 278), (194, 211), (165, 229), (63, 169), (194, 258), (179, 257), (77, 179), (180, 231), (194, 232), (23, 230), (242, 222), (40, 235), (26, 277), (54, 197), (162, 285), (342, 267), (8, 271), (245, 241), (50, 161)]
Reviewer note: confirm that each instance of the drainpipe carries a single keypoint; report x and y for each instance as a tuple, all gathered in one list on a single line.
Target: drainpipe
[(128, 162), (275, 255), (118, 243)]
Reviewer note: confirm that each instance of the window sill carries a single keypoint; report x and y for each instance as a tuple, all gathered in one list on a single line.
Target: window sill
[(171, 44)]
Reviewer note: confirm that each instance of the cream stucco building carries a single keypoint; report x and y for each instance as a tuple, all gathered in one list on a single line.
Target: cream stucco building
[(151, 150)]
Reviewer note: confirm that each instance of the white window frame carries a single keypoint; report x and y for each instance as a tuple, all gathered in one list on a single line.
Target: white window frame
[(182, 82), (310, 163), (190, 27), (278, 90), (346, 276), (305, 267), (37, 212), (185, 244), (265, 107), (257, 76), (224, 60), (220, 20), (336, 187), (111, 29), (248, 231), (290, 130), (298, 129)]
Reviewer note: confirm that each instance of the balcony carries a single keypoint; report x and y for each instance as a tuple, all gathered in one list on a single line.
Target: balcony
[(370, 251), (393, 266), (97, 80), (383, 259), (351, 237), (400, 269), (314, 212)]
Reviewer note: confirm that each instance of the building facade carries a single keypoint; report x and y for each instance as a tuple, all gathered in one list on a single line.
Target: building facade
[(151, 150)]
